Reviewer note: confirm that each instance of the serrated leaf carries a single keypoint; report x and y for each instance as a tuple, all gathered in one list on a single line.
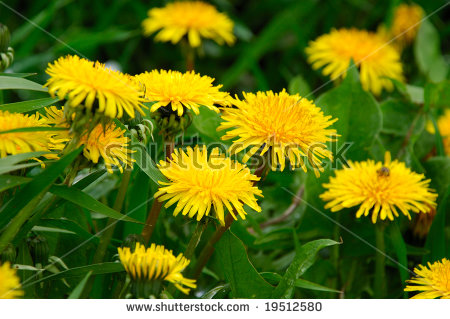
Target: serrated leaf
[(244, 280), (303, 260)]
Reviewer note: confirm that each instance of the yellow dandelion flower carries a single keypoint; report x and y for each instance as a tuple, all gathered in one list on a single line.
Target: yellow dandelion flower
[(406, 23), (433, 281), (197, 182), (92, 85), (181, 90), (55, 117), (9, 283), (422, 223), (110, 143), (156, 263), (194, 19), (377, 60), (25, 142), (443, 124), (379, 189), (288, 126)]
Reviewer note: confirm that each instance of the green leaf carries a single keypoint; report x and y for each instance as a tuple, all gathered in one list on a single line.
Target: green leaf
[(219, 290), (142, 158), (398, 117), (243, 278), (76, 293), (21, 207), (10, 181), (436, 240), (427, 51), (27, 106), (84, 200), (70, 226), (304, 259), (13, 83), (18, 75), (438, 170), (437, 95), (206, 123), (96, 269), (400, 249), (359, 116), (34, 129), (275, 278), (298, 85)]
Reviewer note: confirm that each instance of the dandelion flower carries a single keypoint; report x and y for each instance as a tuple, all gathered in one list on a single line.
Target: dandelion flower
[(432, 281), (110, 143), (197, 182), (9, 283), (181, 90), (406, 23), (443, 124), (93, 86), (25, 142), (379, 189), (154, 264), (377, 60), (194, 19), (55, 117), (288, 126)]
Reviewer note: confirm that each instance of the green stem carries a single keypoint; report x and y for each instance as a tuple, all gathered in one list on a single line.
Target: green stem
[(380, 263), (153, 215), (208, 250), (108, 232), (196, 237)]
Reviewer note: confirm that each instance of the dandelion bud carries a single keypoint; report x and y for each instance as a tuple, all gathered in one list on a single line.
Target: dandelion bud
[(8, 254), (6, 52), (39, 249)]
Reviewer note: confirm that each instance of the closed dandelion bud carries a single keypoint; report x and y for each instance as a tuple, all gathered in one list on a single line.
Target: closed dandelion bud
[(8, 254), (142, 131), (5, 38), (169, 122), (39, 249), (6, 52), (131, 241)]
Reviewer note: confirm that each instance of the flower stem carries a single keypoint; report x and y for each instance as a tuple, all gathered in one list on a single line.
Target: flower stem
[(108, 231), (380, 263), (196, 237), (153, 215), (208, 250)]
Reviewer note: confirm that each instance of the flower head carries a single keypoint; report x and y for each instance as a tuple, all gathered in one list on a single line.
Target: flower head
[(194, 19), (379, 189), (433, 281), (443, 124), (156, 263), (93, 86), (285, 125), (25, 142), (197, 182), (55, 117), (9, 283), (181, 90), (378, 61), (406, 23), (110, 143)]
